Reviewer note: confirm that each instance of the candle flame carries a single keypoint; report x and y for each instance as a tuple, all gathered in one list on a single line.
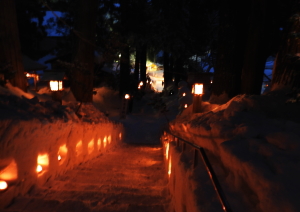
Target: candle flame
[(3, 185)]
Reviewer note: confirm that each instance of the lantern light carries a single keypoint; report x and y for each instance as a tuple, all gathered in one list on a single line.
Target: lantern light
[(59, 158), (39, 168), (55, 85), (185, 105), (211, 82), (183, 94), (198, 89), (3, 185), (127, 96), (141, 83)]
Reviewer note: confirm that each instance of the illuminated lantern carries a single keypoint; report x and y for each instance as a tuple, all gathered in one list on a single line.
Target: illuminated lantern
[(3, 185), (39, 168), (55, 85), (198, 89), (185, 105), (127, 96), (141, 83), (183, 94), (59, 158)]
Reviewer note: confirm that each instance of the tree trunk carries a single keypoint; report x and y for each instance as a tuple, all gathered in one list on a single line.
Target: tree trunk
[(83, 73), (143, 64), (286, 70), (10, 49), (231, 45), (124, 71), (137, 66), (167, 71), (257, 49)]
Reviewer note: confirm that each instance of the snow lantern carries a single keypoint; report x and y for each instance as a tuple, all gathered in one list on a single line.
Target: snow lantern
[(104, 141), (185, 105), (127, 96), (62, 153), (78, 148), (198, 89), (42, 162), (91, 146), (99, 143), (8, 173)]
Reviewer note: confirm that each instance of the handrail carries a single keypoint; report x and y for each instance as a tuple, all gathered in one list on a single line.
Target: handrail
[(210, 171)]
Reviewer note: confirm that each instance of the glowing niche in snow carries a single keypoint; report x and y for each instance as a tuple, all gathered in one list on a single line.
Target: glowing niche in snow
[(62, 153), (109, 139), (42, 162), (79, 148), (9, 172), (170, 167), (104, 141), (91, 146), (99, 143)]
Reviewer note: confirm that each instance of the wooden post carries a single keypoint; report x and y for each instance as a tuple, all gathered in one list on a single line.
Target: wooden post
[(197, 100)]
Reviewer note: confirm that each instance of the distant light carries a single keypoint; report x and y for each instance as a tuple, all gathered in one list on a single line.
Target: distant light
[(280, 28), (55, 85), (59, 158), (3, 185), (198, 89), (39, 168), (127, 96), (183, 94), (141, 83), (185, 105), (211, 81)]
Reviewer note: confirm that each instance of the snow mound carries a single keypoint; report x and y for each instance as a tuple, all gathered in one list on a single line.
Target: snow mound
[(257, 142)]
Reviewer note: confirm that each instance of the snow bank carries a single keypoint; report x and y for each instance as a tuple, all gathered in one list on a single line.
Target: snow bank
[(47, 136), (254, 142)]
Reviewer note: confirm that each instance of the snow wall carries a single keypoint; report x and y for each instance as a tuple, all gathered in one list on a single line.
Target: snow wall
[(253, 143), (52, 147), (189, 185)]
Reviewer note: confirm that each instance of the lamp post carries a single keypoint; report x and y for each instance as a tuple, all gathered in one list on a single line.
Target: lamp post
[(56, 86), (197, 100)]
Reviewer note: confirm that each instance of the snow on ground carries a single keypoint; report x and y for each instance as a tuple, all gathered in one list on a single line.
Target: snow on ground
[(254, 142), (35, 131)]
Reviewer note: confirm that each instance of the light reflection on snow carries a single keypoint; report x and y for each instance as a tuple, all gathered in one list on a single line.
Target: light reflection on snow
[(109, 139), (99, 143), (10, 172), (104, 141), (62, 153), (170, 167), (79, 148), (91, 145)]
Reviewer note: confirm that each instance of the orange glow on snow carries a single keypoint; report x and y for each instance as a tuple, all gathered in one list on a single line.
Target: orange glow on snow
[(99, 143), (170, 167), (3, 185), (109, 139), (198, 89), (79, 148), (91, 146), (167, 150), (42, 161), (120, 136), (104, 141), (62, 153), (10, 172)]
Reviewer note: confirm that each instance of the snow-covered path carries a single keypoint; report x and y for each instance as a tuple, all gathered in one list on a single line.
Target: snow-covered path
[(129, 177)]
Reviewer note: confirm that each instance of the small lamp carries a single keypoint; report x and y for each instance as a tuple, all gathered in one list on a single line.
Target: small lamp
[(197, 100), (55, 85)]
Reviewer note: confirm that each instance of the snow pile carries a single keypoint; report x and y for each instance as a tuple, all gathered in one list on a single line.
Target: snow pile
[(254, 142), (47, 134)]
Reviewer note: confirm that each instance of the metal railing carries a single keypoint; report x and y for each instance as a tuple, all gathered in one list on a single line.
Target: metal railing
[(209, 169)]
